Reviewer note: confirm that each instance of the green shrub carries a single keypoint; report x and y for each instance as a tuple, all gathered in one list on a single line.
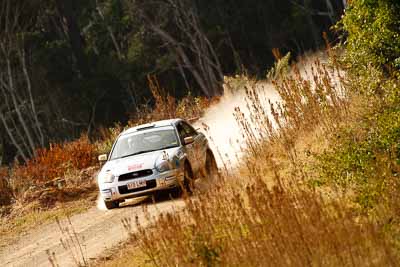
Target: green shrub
[(366, 155), (373, 35)]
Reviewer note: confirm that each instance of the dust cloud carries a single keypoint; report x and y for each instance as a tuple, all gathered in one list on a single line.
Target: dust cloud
[(100, 203), (224, 132)]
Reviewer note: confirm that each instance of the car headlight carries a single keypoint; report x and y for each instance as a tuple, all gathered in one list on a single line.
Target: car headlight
[(108, 178), (163, 166)]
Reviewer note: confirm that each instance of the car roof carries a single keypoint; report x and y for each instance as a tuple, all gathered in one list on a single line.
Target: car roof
[(155, 124)]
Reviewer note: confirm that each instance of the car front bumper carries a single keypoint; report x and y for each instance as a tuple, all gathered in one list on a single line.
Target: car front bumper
[(155, 182)]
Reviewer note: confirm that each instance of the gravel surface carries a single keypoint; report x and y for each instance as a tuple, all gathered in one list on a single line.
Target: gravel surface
[(97, 230)]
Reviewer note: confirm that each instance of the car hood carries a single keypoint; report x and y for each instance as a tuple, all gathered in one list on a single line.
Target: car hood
[(137, 162)]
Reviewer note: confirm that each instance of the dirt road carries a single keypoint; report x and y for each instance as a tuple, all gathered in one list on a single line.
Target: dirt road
[(96, 230)]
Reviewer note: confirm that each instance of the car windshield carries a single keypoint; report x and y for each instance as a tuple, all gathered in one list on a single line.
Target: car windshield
[(142, 142)]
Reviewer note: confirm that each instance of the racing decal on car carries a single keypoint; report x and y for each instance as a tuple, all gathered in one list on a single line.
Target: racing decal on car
[(179, 154), (176, 161), (135, 166), (165, 155)]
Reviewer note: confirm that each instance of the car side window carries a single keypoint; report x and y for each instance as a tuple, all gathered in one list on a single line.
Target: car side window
[(189, 129), (181, 131)]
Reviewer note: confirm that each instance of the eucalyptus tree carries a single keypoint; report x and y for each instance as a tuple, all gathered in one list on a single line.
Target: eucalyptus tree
[(19, 115), (178, 25)]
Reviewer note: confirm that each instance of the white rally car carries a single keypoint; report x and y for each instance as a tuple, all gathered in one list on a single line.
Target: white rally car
[(152, 157)]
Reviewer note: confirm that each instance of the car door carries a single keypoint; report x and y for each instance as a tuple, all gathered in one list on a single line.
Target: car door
[(186, 148), (199, 146), (189, 149)]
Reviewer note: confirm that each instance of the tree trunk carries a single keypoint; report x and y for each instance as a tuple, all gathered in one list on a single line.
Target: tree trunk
[(66, 9)]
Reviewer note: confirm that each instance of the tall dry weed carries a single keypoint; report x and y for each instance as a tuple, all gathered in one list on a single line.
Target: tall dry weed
[(263, 226), (5, 188), (72, 243), (168, 107)]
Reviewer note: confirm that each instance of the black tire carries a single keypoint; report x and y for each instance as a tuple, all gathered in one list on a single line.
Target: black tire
[(175, 193), (111, 204), (188, 182), (211, 166)]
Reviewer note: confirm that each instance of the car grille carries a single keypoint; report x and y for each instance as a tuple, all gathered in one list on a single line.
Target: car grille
[(135, 175), (149, 184)]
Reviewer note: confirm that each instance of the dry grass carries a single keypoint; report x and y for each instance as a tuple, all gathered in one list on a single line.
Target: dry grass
[(5, 189), (167, 107), (45, 177), (54, 161), (118, 257), (265, 227)]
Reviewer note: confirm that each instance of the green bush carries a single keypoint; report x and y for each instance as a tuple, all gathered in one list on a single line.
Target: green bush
[(366, 156), (372, 35)]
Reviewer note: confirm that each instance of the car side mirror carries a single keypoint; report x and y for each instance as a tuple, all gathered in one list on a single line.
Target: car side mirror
[(102, 158), (188, 140)]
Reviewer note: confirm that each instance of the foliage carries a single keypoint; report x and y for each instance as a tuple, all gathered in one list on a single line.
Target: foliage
[(52, 164), (366, 156), (280, 68), (372, 35), (5, 189), (363, 159)]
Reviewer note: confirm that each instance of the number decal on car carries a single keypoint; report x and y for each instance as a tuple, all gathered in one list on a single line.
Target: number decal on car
[(135, 167)]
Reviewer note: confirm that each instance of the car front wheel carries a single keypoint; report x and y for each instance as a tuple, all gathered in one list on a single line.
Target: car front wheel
[(188, 182), (211, 166), (111, 204)]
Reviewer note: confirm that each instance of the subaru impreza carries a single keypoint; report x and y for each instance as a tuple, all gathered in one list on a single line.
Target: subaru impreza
[(154, 157)]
